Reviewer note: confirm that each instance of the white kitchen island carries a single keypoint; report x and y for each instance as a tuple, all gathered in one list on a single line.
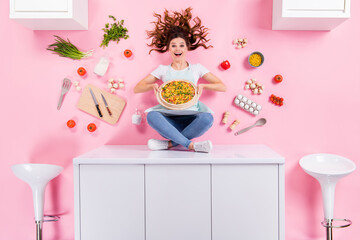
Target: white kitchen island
[(129, 192)]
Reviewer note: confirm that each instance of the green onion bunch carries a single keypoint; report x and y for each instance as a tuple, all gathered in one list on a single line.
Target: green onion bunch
[(65, 48)]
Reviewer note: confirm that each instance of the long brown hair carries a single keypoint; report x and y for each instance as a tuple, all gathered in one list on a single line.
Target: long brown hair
[(174, 26)]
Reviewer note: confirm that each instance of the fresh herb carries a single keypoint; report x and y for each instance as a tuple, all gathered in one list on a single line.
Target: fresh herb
[(65, 48), (114, 32)]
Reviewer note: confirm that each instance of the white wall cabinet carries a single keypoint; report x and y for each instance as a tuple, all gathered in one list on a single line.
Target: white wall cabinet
[(309, 14), (129, 192), (50, 14)]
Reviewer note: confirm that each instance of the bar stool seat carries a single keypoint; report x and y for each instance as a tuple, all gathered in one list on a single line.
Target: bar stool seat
[(328, 169), (37, 176)]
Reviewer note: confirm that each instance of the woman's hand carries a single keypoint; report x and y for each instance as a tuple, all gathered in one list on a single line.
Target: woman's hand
[(200, 89), (155, 86)]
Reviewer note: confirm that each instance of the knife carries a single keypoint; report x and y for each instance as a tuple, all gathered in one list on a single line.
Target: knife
[(96, 103), (106, 105)]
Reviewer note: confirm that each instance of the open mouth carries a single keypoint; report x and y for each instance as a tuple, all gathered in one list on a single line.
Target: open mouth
[(178, 54)]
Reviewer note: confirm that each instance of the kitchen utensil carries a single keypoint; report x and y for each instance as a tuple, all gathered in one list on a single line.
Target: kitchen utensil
[(96, 102), (106, 104), (171, 106), (259, 122), (86, 104), (64, 89)]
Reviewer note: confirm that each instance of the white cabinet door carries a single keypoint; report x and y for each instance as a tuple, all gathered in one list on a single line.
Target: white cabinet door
[(112, 202), (245, 202), (315, 4), (178, 202), (41, 5)]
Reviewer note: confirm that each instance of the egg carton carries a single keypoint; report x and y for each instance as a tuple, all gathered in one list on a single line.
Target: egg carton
[(247, 104)]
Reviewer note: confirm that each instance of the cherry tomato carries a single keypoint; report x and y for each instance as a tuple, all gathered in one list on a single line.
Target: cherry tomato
[(127, 53), (278, 78), (91, 127), (71, 123), (225, 64), (81, 71)]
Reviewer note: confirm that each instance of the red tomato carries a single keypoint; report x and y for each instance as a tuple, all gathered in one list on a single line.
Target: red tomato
[(128, 53), (91, 127), (278, 78), (225, 64), (81, 71), (71, 123)]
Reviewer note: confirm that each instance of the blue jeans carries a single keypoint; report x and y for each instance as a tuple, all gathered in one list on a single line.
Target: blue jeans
[(180, 129)]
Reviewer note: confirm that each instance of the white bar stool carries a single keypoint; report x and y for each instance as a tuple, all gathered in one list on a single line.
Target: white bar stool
[(328, 169), (38, 176)]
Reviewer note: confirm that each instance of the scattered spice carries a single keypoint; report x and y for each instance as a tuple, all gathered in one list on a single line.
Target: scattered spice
[(114, 32)]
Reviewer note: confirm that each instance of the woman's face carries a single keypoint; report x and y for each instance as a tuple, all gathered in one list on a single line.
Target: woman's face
[(178, 49)]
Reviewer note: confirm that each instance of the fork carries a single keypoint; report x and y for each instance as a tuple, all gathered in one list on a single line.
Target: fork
[(64, 89)]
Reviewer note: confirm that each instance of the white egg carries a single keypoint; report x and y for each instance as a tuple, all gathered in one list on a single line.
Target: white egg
[(253, 104), (242, 104), (239, 96), (256, 112), (246, 107), (237, 101), (249, 101), (251, 109), (258, 107), (244, 99)]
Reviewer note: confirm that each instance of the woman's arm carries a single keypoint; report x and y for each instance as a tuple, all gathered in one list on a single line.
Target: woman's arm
[(147, 84), (215, 84)]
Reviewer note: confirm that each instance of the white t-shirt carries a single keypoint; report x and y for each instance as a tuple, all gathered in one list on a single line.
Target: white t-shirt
[(192, 73)]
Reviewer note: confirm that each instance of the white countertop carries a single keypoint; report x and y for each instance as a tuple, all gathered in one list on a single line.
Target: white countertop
[(140, 154)]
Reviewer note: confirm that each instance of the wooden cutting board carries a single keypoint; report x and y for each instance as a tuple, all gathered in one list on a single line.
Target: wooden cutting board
[(116, 104)]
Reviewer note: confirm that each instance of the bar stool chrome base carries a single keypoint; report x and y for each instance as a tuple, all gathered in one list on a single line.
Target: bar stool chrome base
[(329, 224), (47, 218)]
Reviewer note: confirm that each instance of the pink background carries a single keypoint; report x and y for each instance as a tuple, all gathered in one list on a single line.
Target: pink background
[(321, 86)]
